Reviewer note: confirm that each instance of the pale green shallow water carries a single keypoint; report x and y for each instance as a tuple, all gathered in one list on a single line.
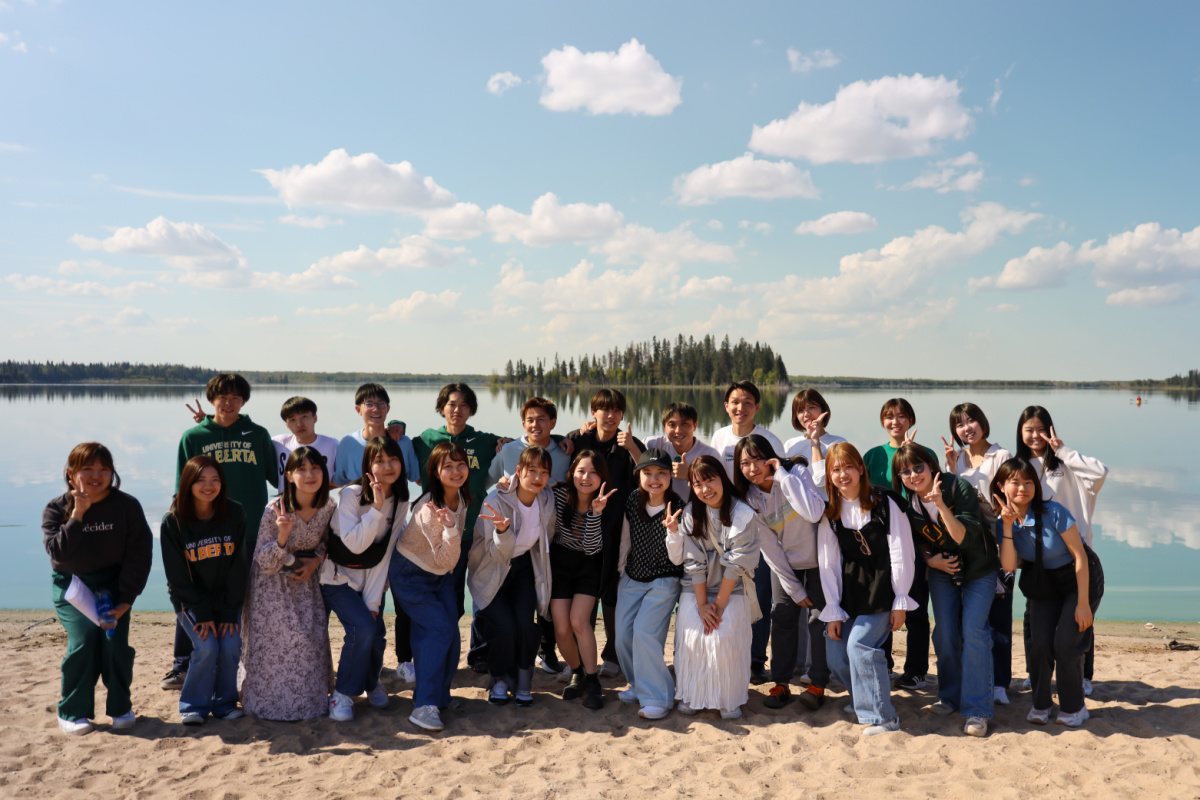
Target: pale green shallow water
[(1147, 531)]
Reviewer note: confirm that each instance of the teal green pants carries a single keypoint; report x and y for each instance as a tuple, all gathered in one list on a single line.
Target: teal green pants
[(91, 654)]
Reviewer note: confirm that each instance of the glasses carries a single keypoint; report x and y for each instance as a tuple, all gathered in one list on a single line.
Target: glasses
[(373, 405), (916, 469), (862, 543)]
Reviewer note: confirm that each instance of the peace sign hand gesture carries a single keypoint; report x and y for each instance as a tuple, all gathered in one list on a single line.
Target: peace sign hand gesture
[(934, 495), (601, 499), (499, 521), (816, 428), (82, 501), (284, 522), (1052, 441), (376, 492), (671, 521), (951, 455), (910, 436), (1007, 511), (198, 414), (446, 516)]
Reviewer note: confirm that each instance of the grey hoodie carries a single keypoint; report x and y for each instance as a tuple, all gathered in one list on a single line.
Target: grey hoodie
[(491, 551)]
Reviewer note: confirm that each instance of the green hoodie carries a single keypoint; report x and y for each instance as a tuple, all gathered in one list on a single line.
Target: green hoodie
[(481, 449), (247, 458)]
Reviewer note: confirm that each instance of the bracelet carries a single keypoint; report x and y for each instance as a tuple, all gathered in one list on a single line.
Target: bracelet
[(1009, 538)]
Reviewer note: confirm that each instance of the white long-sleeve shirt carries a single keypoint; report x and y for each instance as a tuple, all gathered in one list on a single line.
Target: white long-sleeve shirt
[(1074, 485), (788, 517), (980, 477), (680, 485), (724, 441), (802, 446), (900, 551), (359, 527)]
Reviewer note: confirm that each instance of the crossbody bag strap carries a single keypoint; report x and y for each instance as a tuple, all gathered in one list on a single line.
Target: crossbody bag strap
[(747, 581)]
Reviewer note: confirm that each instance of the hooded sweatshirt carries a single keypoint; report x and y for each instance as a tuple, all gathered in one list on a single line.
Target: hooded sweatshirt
[(205, 564), (246, 454)]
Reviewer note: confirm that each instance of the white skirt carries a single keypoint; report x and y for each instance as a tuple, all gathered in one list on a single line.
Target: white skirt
[(712, 671)]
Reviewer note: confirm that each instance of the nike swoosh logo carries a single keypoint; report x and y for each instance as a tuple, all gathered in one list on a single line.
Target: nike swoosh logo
[(470, 440), (247, 433)]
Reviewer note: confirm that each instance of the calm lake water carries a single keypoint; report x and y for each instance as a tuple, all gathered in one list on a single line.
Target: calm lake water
[(1147, 525)]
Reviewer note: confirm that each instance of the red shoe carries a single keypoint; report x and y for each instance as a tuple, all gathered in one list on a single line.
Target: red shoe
[(813, 697), (779, 697)]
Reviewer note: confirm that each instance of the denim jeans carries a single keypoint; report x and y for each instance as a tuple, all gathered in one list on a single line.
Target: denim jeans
[(642, 620), (211, 683), (859, 662), (792, 625), (365, 641), (962, 640), (1001, 621), (432, 606), (760, 631)]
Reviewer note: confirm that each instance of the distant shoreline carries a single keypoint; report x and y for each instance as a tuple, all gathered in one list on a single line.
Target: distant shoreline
[(481, 382)]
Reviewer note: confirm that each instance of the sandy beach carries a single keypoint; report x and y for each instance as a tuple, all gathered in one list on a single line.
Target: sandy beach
[(1143, 739)]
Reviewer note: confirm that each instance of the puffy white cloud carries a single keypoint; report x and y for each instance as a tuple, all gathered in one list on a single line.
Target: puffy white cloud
[(949, 175), (501, 82), (1028, 180), (629, 81), (714, 224), (313, 279), (420, 306), (649, 287), (411, 251), (1142, 297), (806, 62), (758, 227), (550, 222), (1145, 256), (309, 222), (364, 181), (90, 267), (184, 245), (870, 121), (1040, 268), (460, 221), (744, 176), (716, 288), (129, 320), (352, 310), (678, 246), (839, 222), (64, 288)]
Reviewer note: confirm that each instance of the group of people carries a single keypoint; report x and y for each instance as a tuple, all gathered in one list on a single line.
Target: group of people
[(808, 546)]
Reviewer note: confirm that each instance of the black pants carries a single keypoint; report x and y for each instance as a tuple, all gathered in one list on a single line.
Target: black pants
[(1000, 618), (1055, 644), (917, 622), (509, 623)]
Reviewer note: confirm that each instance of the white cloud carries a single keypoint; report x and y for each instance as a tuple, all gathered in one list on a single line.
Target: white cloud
[(817, 59), (613, 293), (501, 82), (183, 245), (744, 176), (550, 222), (870, 121), (90, 267), (13, 147), (62, 288), (1146, 296), (420, 306), (1145, 256), (949, 175), (1028, 180), (678, 246), (1040, 268), (313, 279), (460, 221), (629, 81), (271, 320), (717, 288), (1005, 308), (997, 93), (757, 227), (363, 182), (352, 310), (128, 320), (201, 198), (412, 251), (839, 222), (714, 225), (310, 222)]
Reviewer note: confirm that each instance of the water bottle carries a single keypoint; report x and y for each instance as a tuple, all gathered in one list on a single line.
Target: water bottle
[(104, 608)]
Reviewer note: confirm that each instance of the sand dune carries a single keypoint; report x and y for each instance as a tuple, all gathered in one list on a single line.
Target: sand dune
[(1143, 740)]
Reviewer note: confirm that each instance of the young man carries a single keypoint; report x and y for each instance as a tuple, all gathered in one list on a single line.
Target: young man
[(371, 402), (742, 401), (538, 417), (680, 443), (247, 457), (621, 450), (300, 416)]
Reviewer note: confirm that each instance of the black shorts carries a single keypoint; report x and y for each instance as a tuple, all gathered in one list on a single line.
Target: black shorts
[(573, 572)]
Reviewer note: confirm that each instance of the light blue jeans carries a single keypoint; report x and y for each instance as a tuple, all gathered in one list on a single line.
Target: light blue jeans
[(643, 618), (962, 639), (364, 643), (860, 663), (211, 683)]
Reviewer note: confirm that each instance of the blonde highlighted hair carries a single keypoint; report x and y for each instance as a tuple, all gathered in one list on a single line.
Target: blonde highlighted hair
[(846, 453)]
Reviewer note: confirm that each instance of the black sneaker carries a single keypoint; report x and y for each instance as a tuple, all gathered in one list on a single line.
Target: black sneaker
[(910, 682), (758, 673), (574, 689), (173, 680), (593, 697), (479, 665), (779, 697)]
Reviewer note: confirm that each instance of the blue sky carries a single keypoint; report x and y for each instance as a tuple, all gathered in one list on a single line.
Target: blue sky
[(925, 189)]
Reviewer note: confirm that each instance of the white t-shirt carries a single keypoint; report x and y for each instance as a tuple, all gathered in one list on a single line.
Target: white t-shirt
[(285, 443), (531, 526), (802, 446), (699, 448), (725, 441)]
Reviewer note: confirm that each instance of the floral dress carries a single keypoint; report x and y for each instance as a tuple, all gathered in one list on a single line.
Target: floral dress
[(286, 671)]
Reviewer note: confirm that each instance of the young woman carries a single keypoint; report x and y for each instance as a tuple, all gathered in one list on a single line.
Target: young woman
[(977, 463), (956, 542), (783, 494), (508, 573), (810, 415), (1068, 478), (649, 587), (204, 558), (370, 515), (717, 543), (422, 578), (864, 545), (286, 671), (97, 535), (1043, 539), (577, 567)]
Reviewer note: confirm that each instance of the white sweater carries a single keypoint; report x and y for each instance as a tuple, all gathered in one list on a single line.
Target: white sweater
[(1074, 485), (788, 516), (359, 527)]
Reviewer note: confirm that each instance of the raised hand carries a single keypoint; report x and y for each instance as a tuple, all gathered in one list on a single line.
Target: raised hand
[(625, 437), (1007, 511), (446, 516), (499, 521), (504, 482), (671, 521), (951, 455), (590, 425), (679, 468), (198, 412), (934, 495), (284, 522), (82, 501), (377, 497), (910, 436), (1052, 441), (601, 499), (772, 464), (816, 429)]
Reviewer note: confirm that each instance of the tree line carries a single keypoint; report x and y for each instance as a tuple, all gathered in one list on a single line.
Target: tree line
[(17, 372)]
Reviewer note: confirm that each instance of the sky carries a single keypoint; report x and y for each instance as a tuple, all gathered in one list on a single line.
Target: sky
[(940, 190)]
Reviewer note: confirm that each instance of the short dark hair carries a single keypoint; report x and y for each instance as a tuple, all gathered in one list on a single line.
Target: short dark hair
[(1027, 470), (802, 399), (542, 403), (313, 456), (745, 386), (297, 405), (369, 390), (685, 410), (535, 456), (964, 412), (907, 456), (606, 399), (227, 383), (897, 404), (450, 388)]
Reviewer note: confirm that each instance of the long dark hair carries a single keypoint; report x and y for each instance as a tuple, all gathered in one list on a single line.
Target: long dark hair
[(1026, 469), (382, 445), (184, 505), (296, 460), (444, 451), (81, 455), (598, 464), (758, 447), (705, 468), (1050, 462)]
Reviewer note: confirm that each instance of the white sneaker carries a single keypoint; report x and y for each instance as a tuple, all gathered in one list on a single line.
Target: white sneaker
[(1027, 684), (378, 696), (498, 696), (732, 714), (192, 719), (1038, 716), (407, 672), (341, 708), (807, 681), (74, 727), (686, 710), (627, 696), (883, 727), (1000, 695), (426, 717), (609, 669), (976, 726), (230, 716), (1073, 720), (1087, 688), (942, 709), (565, 675), (124, 721), (653, 712)]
